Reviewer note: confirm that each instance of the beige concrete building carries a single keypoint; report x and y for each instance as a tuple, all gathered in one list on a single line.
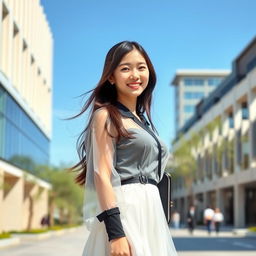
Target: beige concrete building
[(190, 87), (226, 179), (26, 46)]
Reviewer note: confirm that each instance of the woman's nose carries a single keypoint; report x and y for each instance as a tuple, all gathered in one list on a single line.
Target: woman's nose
[(134, 74)]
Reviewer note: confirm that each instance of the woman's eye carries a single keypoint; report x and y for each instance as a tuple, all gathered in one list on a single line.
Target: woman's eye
[(142, 67), (125, 69)]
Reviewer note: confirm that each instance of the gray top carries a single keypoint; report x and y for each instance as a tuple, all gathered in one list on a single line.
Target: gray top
[(139, 155)]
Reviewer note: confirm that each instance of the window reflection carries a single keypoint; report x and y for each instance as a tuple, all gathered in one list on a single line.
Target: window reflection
[(21, 141)]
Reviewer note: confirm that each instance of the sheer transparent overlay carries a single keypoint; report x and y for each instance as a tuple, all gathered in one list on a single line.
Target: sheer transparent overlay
[(102, 180)]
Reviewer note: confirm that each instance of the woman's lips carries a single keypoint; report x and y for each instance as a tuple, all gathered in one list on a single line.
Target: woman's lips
[(134, 86)]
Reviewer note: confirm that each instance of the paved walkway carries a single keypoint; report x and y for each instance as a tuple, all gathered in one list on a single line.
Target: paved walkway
[(200, 244), (69, 244), (201, 232)]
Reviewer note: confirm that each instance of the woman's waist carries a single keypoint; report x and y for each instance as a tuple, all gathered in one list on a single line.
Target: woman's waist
[(138, 175)]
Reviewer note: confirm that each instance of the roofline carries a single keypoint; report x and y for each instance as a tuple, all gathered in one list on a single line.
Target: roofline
[(246, 48), (198, 72), (226, 85)]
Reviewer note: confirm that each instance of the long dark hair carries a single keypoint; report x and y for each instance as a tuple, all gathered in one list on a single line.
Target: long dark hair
[(105, 95)]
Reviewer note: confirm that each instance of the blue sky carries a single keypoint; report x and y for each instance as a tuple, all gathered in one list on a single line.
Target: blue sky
[(177, 34)]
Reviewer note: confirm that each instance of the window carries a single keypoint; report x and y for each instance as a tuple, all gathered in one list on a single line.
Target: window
[(193, 81), (253, 142), (208, 164), (231, 120), (189, 108), (239, 147), (245, 150), (21, 141), (193, 95), (214, 81), (245, 110)]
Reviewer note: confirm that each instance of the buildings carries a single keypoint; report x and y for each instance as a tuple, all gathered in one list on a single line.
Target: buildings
[(25, 112), (190, 87), (225, 175)]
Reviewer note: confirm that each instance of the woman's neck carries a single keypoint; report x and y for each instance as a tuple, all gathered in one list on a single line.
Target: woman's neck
[(130, 104)]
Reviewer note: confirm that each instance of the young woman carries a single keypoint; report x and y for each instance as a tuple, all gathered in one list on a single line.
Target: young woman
[(119, 161)]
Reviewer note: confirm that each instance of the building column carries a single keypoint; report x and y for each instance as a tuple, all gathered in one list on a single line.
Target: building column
[(237, 125), (239, 206), (184, 210), (205, 200)]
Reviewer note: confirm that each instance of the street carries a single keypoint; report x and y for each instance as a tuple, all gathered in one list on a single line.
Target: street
[(200, 244)]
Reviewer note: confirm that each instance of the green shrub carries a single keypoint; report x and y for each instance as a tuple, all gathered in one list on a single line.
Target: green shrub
[(32, 231), (60, 227), (252, 229), (5, 235), (39, 231)]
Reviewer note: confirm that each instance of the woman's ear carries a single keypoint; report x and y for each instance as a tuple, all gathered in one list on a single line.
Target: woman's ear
[(111, 79)]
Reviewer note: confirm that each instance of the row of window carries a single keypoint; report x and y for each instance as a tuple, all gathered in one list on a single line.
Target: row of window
[(189, 108), (220, 161), (193, 95), (214, 81), (21, 141)]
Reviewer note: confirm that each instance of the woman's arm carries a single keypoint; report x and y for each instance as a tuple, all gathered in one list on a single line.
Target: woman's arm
[(103, 158), (103, 153)]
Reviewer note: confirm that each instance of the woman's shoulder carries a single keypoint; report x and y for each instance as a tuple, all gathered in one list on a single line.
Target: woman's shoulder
[(100, 115), (101, 119)]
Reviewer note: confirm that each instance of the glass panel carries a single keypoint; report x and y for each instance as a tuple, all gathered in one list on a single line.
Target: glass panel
[(253, 142), (193, 95), (189, 108), (214, 81), (193, 81), (245, 111), (231, 121), (239, 147), (21, 141)]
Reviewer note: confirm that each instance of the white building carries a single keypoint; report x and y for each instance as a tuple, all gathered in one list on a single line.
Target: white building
[(227, 181), (26, 45), (190, 87)]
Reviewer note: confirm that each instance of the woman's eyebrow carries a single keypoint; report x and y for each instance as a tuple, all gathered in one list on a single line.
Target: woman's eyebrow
[(129, 64)]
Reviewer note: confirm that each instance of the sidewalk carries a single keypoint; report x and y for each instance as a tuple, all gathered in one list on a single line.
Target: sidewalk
[(202, 232), (17, 239)]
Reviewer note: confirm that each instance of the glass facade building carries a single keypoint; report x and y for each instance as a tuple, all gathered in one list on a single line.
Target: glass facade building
[(22, 143)]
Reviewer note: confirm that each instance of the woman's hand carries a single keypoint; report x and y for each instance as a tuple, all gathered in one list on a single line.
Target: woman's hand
[(120, 247)]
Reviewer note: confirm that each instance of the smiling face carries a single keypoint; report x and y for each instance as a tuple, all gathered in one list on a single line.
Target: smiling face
[(131, 75)]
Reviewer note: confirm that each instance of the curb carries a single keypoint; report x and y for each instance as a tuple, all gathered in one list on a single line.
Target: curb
[(9, 242), (244, 232), (19, 238), (250, 234), (51, 233)]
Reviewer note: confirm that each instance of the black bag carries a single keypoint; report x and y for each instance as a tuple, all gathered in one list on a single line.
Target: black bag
[(164, 187)]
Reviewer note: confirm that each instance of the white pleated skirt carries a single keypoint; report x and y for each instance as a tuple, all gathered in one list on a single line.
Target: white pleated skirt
[(144, 224)]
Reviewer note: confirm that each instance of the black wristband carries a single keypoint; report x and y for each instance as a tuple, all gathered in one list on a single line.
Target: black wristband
[(112, 222)]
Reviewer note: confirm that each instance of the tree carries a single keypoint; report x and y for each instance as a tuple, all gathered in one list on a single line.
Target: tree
[(187, 163), (65, 195), (184, 161)]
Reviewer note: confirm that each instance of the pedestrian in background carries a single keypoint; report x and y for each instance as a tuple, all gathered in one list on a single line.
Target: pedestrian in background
[(217, 219), (208, 218), (176, 220), (191, 219)]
